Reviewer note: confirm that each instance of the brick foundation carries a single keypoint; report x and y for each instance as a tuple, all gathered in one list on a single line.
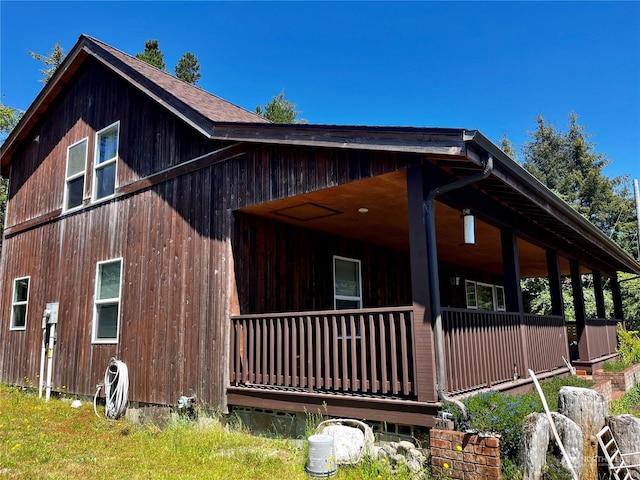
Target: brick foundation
[(464, 456)]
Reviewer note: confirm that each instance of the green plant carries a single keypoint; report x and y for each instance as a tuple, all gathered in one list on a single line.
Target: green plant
[(628, 345), (614, 366), (312, 420), (504, 414), (629, 403), (554, 470)]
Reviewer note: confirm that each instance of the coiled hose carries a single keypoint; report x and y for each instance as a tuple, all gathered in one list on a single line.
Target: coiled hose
[(116, 389)]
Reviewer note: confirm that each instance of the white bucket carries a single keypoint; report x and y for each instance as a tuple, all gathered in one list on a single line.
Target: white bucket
[(321, 462)]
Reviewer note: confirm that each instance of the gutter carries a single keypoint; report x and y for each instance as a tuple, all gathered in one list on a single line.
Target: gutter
[(434, 286)]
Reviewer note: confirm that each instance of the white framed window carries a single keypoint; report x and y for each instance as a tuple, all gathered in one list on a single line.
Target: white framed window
[(19, 303), (106, 311), (472, 298), (105, 163), (76, 168), (484, 296), (347, 283)]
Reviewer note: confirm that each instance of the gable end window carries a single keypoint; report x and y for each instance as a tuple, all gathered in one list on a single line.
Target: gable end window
[(76, 166), (104, 178), (19, 303), (106, 312)]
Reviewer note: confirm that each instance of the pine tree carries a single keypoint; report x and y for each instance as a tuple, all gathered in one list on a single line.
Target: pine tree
[(280, 110), (152, 54), (188, 68), (52, 61)]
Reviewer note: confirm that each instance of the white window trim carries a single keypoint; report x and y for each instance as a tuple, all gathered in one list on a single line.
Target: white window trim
[(14, 303), (107, 301), (347, 297), (74, 176), (108, 162), (504, 298), (494, 295)]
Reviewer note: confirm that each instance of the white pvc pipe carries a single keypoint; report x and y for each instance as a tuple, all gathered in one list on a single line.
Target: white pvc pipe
[(52, 337), (553, 425)]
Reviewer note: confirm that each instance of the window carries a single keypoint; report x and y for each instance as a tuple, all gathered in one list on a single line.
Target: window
[(347, 283), (104, 179), (76, 165), (107, 301), (19, 302), (470, 288), (484, 296)]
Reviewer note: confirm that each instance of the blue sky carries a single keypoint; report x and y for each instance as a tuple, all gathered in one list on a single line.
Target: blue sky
[(491, 66)]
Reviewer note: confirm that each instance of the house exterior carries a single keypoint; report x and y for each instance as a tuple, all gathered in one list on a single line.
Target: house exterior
[(279, 266)]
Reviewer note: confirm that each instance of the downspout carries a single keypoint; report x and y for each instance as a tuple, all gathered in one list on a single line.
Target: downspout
[(434, 285)]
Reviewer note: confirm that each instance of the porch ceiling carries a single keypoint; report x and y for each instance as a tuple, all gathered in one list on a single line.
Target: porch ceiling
[(336, 211)]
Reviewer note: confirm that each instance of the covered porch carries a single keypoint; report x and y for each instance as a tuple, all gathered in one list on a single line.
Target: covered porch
[(295, 344)]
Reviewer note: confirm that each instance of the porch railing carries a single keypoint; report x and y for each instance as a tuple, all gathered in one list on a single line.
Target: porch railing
[(603, 338), (486, 348), (481, 348), (547, 340), (353, 351)]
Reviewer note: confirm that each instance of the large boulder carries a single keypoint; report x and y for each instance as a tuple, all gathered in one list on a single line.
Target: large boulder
[(534, 445), (626, 430), (572, 440), (585, 407), (537, 436)]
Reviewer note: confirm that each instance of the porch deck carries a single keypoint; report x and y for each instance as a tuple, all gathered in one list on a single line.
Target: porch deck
[(366, 358)]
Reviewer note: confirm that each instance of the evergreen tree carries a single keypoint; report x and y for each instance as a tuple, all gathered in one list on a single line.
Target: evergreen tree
[(52, 61), (280, 110), (152, 54), (567, 163), (188, 68)]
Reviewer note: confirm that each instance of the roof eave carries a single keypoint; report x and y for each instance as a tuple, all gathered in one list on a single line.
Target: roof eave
[(554, 204)]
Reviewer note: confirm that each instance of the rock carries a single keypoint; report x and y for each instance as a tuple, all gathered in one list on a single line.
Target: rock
[(572, 439), (626, 431), (585, 407), (397, 453), (535, 442)]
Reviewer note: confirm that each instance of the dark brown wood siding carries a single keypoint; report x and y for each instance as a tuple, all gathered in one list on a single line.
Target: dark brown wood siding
[(283, 268), (175, 239)]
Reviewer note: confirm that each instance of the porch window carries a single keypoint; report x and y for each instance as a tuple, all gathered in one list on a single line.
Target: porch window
[(106, 311), (484, 296), (104, 179), (19, 302), (76, 165), (347, 283)]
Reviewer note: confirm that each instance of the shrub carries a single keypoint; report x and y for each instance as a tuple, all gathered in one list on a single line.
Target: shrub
[(504, 414), (628, 345)]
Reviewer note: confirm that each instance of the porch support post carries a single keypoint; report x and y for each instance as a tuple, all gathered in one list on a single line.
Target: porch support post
[(424, 357), (555, 283), (618, 313), (512, 290), (578, 305), (599, 294)]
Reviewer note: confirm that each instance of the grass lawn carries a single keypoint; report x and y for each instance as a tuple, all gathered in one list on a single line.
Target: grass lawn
[(54, 441)]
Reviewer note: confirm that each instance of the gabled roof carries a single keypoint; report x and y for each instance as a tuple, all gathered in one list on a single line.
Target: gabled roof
[(201, 109), (461, 150)]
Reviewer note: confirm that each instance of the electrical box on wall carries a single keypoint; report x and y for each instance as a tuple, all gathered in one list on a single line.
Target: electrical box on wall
[(52, 308)]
